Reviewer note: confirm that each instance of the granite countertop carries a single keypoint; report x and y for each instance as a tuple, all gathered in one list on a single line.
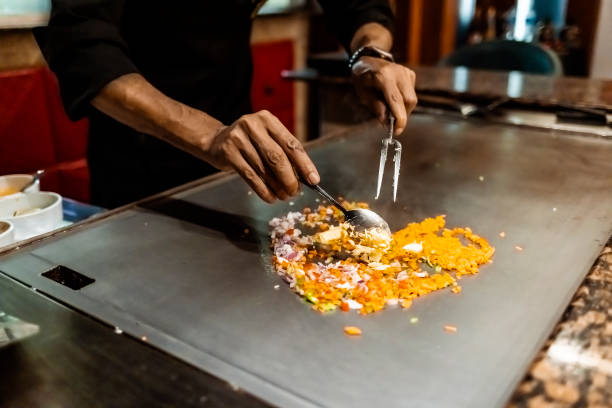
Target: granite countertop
[(574, 369), (523, 88), (527, 89)]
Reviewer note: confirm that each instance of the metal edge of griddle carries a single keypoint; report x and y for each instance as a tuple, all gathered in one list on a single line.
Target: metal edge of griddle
[(502, 122), (63, 304), (252, 384)]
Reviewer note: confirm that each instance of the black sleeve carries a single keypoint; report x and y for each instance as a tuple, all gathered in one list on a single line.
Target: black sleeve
[(346, 16), (83, 46)]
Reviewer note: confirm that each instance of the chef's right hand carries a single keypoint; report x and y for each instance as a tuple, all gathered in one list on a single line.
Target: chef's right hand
[(264, 153)]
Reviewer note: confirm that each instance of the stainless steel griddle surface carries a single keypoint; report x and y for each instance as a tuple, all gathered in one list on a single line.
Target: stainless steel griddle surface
[(183, 272)]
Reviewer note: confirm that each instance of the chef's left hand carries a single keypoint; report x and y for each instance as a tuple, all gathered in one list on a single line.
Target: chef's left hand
[(381, 84)]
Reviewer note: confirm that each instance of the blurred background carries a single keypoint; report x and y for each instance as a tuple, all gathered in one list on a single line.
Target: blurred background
[(295, 54)]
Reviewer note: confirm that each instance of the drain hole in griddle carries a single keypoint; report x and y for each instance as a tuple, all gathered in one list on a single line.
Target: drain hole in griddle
[(67, 277)]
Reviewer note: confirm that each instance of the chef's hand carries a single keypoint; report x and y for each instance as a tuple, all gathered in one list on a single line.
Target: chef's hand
[(381, 85), (264, 153), (257, 146)]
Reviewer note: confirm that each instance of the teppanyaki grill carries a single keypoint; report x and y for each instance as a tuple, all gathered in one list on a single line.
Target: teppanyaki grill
[(182, 271)]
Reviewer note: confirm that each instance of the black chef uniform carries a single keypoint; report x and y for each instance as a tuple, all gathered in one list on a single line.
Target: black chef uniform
[(194, 51)]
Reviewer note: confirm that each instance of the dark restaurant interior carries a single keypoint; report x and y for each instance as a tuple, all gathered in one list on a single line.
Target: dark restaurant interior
[(306, 203)]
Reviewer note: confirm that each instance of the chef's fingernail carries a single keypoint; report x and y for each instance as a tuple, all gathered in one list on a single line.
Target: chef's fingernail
[(313, 178)]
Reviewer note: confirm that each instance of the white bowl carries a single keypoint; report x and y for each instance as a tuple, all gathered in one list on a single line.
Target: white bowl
[(7, 233), (47, 217), (13, 183)]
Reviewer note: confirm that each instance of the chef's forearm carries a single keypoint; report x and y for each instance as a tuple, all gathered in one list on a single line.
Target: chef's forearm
[(133, 101), (372, 34)]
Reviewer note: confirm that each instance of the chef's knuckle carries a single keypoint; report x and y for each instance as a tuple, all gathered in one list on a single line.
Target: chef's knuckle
[(294, 145), (412, 101), (275, 157), (396, 97), (226, 148), (250, 176), (233, 135), (411, 75), (242, 120), (265, 114), (247, 125)]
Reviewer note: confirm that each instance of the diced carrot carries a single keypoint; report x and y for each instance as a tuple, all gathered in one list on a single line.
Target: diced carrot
[(324, 270), (450, 329), (352, 330)]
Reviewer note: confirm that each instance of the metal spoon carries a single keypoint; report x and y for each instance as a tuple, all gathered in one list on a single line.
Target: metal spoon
[(361, 219), (35, 178)]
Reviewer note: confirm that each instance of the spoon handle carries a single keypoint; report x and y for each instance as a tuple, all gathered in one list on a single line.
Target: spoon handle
[(35, 178), (328, 197)]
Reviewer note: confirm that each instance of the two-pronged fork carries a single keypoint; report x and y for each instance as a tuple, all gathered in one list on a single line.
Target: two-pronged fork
[(383, 158)]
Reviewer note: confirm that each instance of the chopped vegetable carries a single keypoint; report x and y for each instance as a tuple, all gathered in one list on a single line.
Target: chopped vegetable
[(414, 320), (414, 247), (324, 260), (406, 303), (456, 289), (352, 330), (353, 304), (502, 234), (518, 248), (450, 329)]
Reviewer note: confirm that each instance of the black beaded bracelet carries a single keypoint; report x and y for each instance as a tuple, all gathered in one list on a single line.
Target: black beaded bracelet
[(369, 51)]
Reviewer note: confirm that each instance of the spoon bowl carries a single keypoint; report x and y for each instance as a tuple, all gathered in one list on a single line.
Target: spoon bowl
[(360, 218)]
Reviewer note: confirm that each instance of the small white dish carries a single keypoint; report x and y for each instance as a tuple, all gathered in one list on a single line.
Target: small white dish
[(13, 183), (32, 213), (7, 233)]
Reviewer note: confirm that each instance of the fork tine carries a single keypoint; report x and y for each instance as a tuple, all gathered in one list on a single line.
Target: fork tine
[(381, 165), (383, 154), (397, 157)]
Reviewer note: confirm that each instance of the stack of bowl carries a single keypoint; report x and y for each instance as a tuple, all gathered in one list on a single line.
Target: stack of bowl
[(29, 213)]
